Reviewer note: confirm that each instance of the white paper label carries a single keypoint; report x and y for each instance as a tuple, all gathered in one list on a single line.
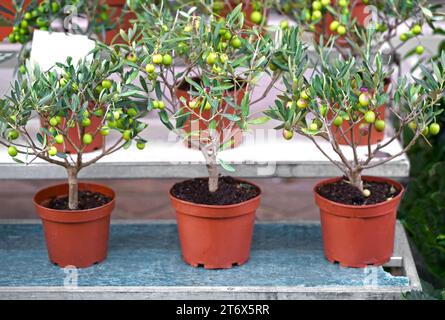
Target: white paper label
[(48, 48)]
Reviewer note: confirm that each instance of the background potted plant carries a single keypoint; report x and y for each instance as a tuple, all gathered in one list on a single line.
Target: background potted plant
[(75, 215), (61, 15), (255, 11), (219, 62), (358, 212), (6, 21), (52, 15)]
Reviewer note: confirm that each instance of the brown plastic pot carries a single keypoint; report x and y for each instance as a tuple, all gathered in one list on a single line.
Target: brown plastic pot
[(361, 138), (75, 237), (358, 236), (73, 134), (215, 237), (194, 124)]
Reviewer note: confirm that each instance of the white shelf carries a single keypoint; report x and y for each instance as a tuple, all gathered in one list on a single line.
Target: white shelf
[(263, 154)]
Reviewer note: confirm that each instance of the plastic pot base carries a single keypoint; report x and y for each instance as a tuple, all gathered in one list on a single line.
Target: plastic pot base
[(76, 238), (215, 237), (358, 236)]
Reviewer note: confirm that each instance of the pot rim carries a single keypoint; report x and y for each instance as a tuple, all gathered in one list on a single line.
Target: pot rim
[(213, 206), (111, 203), (367, 206)]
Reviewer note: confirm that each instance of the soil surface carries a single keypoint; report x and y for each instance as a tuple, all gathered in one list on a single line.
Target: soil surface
[(345, 193), (87, 200), (230, 191)]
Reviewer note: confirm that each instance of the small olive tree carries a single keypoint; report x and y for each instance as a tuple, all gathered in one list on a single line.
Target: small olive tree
[(218, 60), (64, 99), (350, 90)]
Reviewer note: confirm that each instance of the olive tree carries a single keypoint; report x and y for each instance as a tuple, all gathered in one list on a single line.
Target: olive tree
[(64, 99), (350, 90), (218, 60)]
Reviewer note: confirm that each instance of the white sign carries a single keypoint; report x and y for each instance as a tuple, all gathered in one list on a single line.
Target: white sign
[(48, 48)]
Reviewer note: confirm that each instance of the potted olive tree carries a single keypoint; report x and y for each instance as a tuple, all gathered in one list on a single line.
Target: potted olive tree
[(202, 74), (75, 215), (358, 212)]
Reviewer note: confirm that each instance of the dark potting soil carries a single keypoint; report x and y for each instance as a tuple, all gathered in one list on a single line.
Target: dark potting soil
[(230, 191), (345, 193), (87, 200)]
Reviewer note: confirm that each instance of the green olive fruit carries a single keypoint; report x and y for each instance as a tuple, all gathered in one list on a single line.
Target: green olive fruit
[(132, 57), (86, 122), (126, 135), (420, 50), (157, 58), (301, 103), (13, 134), (316, 15), (341, 30), (52, 151), (284, 24), (338, 121), (334, 26), (416, 29), (104, 131), (434, 129), (150, 68), (87, 138), (288, 134), (256, 17), (412, 125), (316, 5), (313, 126), (107, 84), (12, 151), (236, 43), (167, 60), (59, 139), (212, 58), (304, 95), (140, 145), (379, 125), (53, 122), (364, 99), (370, 116), (132, 112)]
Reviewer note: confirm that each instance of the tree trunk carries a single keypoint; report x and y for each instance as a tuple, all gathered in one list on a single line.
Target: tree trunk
[(355, 178), (213, 176), (73, 189)]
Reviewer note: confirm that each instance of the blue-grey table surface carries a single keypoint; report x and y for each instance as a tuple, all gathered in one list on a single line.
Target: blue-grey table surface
[(149, 255)]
